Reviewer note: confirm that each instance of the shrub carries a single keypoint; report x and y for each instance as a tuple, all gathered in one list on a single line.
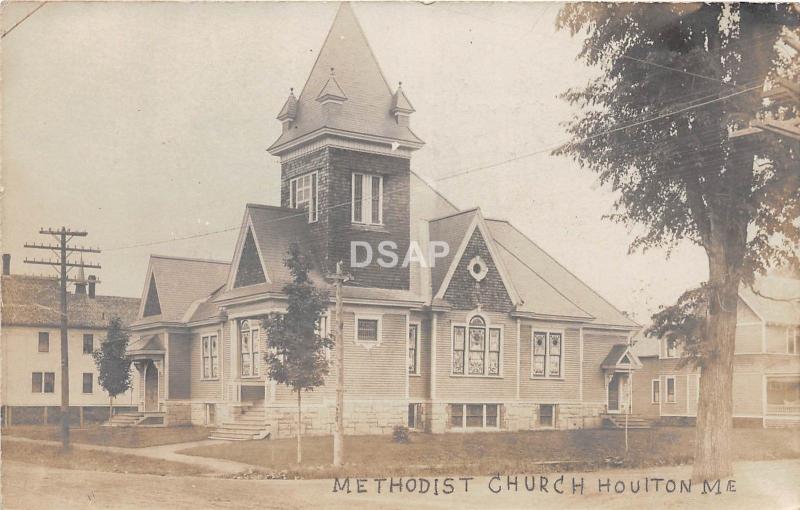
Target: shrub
[(400, 434)]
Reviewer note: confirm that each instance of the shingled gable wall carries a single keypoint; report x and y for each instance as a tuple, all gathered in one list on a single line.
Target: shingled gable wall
[(462, 292), (334, 231)]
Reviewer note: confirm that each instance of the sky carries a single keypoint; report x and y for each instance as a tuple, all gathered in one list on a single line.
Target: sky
[(146, 122)]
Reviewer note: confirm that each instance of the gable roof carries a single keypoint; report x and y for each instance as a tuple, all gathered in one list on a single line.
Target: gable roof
[(783, 308), (35, 301), (548, 270), (615, 357), (358, 77), (182, 281)]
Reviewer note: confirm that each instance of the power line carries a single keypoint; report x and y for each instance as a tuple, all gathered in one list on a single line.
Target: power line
[(18, 23)]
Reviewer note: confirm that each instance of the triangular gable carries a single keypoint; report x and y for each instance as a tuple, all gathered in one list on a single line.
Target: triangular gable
[(152, 305), (496, 286), (248, 264), (621, 357)]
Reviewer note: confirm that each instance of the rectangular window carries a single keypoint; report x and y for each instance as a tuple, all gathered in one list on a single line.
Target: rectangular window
[(655, 397), (459, 332), (547, 415), (44, 341), (547, 354), (672, 348), (671, 390), (415, 416), (413, 348), (210, 356), (88, 344), (367, 199), (494, 351), (88, 382), (36, 382), (367, 330), (248, 348), (49, 382), (303, 194), (473, 416)]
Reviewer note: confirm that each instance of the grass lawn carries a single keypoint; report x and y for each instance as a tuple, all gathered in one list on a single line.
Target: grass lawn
[(126, 437), (51, 456), (499, 452)]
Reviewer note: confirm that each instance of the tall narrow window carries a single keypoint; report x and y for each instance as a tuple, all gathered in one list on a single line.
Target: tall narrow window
[(547, 354), (413, 347), (49, 382), (494, 351), (670, 389), (36, 382), (477, 346), (88, 344), (656, 391), (88, 382), (44, 341), (367, 199), (459, 332), (248, 346), (303, 194), (210, 357), (672, 348)]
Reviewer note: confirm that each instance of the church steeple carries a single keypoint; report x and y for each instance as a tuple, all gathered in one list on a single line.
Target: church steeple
[(346, 96)]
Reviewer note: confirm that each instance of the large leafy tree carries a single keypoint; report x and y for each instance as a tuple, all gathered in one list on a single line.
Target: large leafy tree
[(113, 366), (296, 345), (674, 82)]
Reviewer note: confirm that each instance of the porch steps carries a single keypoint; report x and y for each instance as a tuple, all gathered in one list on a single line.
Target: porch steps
[(617, 421), (248, 425), (125, 420)]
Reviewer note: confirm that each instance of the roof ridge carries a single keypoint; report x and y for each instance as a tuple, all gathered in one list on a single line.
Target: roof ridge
[(188, 259), (559, 264)]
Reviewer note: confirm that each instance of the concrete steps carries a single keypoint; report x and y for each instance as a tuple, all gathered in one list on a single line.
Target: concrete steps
[(125, 420), (247, 426), (617, 421)]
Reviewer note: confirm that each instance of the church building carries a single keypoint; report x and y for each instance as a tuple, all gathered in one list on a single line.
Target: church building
[(484, 331)]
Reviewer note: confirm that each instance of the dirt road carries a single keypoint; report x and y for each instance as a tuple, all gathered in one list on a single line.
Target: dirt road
[(759, 485)]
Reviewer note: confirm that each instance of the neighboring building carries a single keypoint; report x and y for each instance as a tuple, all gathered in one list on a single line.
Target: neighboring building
[(496, 335), (31, 347), (766, 371)]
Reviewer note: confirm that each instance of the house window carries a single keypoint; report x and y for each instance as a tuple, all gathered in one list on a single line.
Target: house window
[(210, 356), (88, 382), (548, 354), (304, 194), (43, 382), (413, 348), (44, 341), (655, 393), (670, 390), (415, 416), (672, 348), (88, 344), (367, 199), (473, 416), (482, 356), (547, 415), (792, 340), (248, 347), (368, 331)]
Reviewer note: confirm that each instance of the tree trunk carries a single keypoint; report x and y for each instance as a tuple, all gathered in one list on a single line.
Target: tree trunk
[(110, 408), (299, 422), (712, 458)]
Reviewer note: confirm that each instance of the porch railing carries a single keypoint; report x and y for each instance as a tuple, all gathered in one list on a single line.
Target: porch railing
[(783, 409)]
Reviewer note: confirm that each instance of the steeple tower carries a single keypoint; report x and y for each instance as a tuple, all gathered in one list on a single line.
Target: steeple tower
[(345, 152)]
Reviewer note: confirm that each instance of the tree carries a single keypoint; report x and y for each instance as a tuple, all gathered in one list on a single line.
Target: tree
[(296, 349), (675, 81), (113, 367)]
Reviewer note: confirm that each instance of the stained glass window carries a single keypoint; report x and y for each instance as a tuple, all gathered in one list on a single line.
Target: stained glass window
[(539, 352), (494, 352), (477, 340), (547, 354), (554, 364), (458, 349), (412, 348), (248, 342)]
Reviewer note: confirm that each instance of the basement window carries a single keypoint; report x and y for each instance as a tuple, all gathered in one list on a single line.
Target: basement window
[(547, 413), (474, 416)]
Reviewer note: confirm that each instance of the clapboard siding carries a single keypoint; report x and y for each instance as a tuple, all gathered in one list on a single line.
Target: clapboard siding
[(471, 388), (545, 389), (747, 394), (749, 338), (776, 339), (179, 366), (204, 389), (595, 349), (419, 386), (642, 388)]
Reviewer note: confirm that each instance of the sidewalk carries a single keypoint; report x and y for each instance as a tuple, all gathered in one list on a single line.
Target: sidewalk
[(162, 452)]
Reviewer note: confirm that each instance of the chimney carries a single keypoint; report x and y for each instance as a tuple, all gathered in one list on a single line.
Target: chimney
[(92, 283), (6, 264), (80, 284)]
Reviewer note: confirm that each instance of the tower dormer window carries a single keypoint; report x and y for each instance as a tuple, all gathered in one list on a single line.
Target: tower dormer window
[(367, 199), (303, 194)]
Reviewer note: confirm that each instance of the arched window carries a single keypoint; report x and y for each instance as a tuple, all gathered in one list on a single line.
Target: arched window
[(476, 348), (248, 348)]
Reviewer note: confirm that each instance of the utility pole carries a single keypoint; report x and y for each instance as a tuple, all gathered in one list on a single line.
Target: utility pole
[(338, 437), (62, 251)]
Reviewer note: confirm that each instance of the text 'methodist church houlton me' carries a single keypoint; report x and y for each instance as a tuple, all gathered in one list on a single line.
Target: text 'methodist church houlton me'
[(496, 335)]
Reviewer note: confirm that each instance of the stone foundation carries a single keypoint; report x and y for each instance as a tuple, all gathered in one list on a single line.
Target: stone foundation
[(361, 417), (178, 413)]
